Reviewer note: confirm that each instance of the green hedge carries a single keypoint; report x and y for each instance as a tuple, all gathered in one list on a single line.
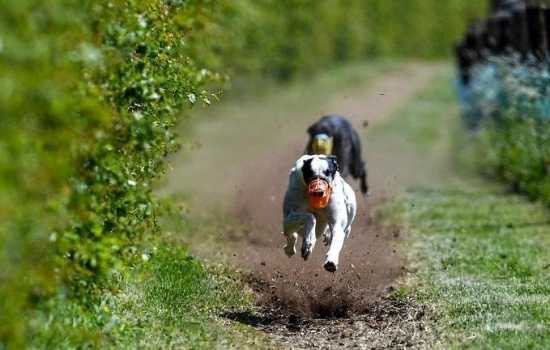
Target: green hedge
[(284, 38), (90, 92), (507, 109), (43, 111), (516, 150)]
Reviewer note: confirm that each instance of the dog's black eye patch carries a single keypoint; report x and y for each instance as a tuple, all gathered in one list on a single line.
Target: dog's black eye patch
[(307, 171)]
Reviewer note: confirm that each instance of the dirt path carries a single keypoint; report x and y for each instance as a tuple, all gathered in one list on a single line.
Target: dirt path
[(301, 305)]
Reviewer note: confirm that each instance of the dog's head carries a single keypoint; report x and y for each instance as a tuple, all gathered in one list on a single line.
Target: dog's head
[(321, 144), (318, 172), (319, 166)]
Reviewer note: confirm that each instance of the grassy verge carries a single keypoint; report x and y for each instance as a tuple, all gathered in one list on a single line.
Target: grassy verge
[(479, 255), (171, 299), (482, 263)]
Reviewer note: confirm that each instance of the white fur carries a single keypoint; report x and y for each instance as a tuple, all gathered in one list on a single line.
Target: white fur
[(333, 223)]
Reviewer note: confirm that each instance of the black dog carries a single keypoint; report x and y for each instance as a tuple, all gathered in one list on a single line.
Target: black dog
[(333, 134)]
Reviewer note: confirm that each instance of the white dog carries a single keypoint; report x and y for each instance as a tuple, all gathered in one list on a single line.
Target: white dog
[(318, 202)]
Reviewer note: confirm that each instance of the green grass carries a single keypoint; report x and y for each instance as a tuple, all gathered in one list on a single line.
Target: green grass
[(479, 256), (171, 299), (482, 258)]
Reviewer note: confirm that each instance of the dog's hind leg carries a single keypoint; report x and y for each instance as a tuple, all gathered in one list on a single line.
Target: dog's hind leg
[(304, 225), (291, 225), (358, 167), (309, 235), (290, 247), (327, 237), (323, 230)]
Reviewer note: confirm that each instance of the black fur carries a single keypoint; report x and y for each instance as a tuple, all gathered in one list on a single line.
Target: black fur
[(307, 173), (346, 146), (333, 165)]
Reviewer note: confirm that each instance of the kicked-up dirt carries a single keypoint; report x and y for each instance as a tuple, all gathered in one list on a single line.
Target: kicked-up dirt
[(384, 324)]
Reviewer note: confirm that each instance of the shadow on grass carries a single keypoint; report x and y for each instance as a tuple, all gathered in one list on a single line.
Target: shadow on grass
[(250, 318), (269, 320)]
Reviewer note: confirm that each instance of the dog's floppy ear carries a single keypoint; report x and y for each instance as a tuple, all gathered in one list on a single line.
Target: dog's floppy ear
[(311, 130), (333, 161)]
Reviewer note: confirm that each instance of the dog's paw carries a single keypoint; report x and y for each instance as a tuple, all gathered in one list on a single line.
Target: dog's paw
[(330, 266), (307, 249), (290, 250)]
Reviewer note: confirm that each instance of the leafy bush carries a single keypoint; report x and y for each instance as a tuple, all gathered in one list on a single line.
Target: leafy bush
[(517, 151), (146, 77), (508, 98), (43, 111), (90, 92)]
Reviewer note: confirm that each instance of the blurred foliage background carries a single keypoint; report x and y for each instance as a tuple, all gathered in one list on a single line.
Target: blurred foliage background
[(90, 92), (507, 108), (284, 38), (504, 94)]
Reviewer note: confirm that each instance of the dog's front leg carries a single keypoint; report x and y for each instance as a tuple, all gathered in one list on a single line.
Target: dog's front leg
[(336, 244)]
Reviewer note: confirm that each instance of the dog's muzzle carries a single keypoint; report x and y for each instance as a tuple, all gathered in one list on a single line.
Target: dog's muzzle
[(321, 144), (318, 193)]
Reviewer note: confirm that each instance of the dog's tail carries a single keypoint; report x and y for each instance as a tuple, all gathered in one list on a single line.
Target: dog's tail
[(358, 166)]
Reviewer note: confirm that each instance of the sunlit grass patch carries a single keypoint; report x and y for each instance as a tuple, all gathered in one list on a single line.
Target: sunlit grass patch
[(171, 300), (481, 259), (179, 303)]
